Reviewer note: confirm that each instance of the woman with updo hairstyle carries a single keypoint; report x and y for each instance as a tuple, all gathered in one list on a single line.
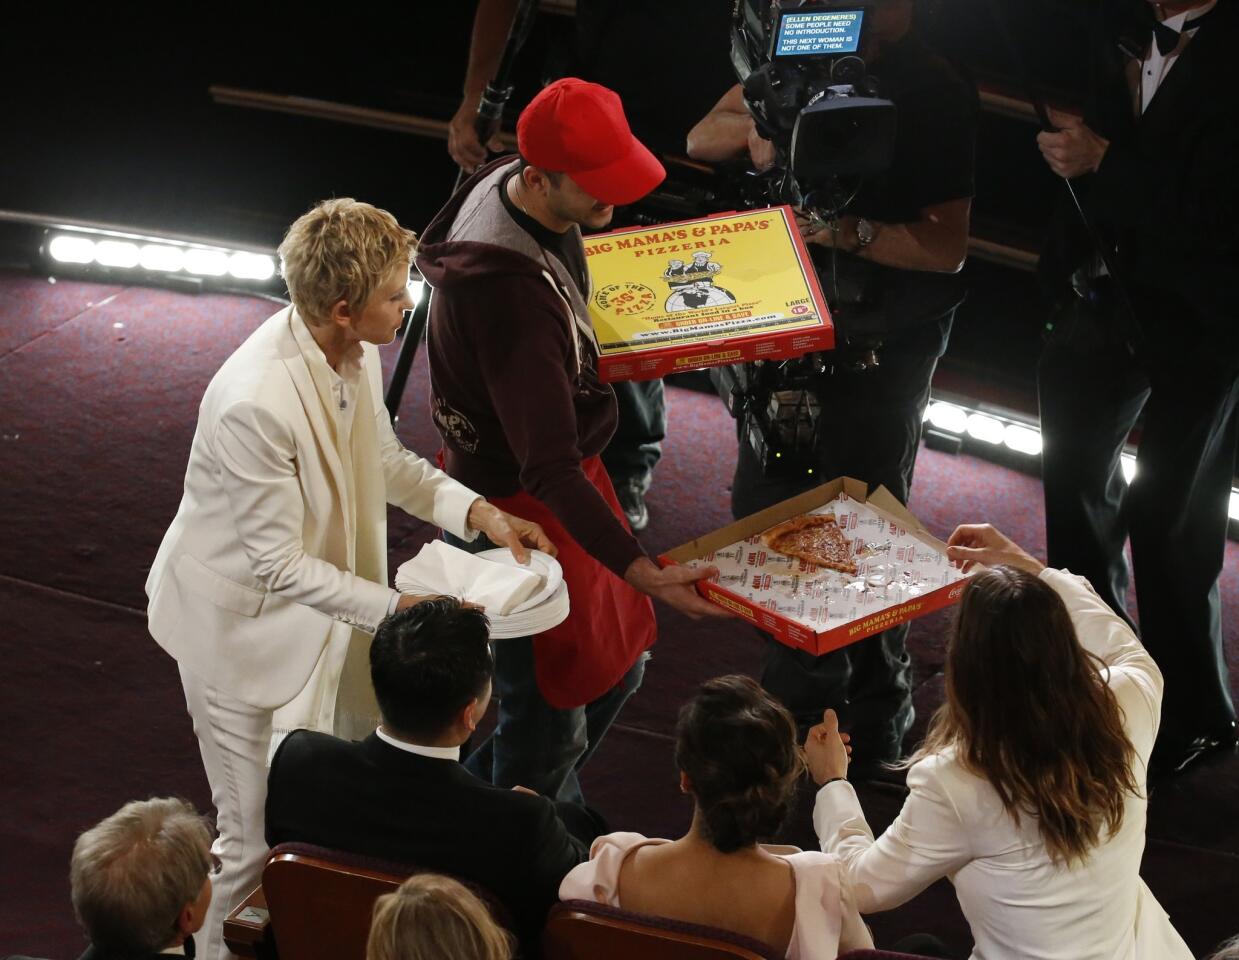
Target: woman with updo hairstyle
[(738, 759)]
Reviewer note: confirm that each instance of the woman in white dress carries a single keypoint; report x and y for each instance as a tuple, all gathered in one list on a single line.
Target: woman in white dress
[(1028, 793), (738, 759)]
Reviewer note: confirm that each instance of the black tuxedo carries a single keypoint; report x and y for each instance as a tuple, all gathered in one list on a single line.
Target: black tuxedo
[(374, 799), (1165, 202), (96, 953)]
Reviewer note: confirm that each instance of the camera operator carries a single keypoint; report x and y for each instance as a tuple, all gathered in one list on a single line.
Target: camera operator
[(906, 231), (1153, 162)]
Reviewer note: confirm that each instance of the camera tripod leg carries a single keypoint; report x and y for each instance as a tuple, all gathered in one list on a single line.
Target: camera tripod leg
[(414, 330)]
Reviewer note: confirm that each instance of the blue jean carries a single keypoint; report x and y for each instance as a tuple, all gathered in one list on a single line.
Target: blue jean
[(536, 745), (870, 682)]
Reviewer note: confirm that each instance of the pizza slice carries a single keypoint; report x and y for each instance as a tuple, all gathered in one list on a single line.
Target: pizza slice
[(814, 538)]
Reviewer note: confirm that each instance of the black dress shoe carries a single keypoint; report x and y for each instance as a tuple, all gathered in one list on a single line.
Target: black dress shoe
[(1172, 757)]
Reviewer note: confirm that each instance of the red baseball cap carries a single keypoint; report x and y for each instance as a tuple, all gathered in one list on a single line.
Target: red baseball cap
[(579, 129)]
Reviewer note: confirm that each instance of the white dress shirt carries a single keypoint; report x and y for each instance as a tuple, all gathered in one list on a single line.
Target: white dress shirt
[(436, 753), (1156, 66)]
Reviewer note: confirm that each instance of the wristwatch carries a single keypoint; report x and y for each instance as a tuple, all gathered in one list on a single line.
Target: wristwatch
[(865, 232)]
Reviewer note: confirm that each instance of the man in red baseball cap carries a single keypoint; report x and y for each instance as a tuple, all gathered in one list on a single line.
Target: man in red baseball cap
[(523, 415), (579, 129)]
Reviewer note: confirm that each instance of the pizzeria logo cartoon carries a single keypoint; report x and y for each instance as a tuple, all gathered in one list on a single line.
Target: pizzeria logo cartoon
[(692, 283), (625, 299)]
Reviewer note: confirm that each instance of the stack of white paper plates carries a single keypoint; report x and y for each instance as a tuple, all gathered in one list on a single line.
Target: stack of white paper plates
[(545, 609)]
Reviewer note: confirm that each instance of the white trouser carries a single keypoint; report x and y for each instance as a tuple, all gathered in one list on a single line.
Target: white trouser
[(234, 738)]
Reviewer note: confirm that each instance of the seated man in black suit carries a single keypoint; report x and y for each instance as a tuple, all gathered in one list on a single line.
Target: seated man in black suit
[(401, 794), (140, 880)]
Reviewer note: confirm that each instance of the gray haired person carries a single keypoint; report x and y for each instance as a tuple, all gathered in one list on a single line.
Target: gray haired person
[(141, 880)]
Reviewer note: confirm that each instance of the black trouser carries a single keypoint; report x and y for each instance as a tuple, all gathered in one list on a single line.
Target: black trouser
[(637, 444), (872, 430), (1175, 510)]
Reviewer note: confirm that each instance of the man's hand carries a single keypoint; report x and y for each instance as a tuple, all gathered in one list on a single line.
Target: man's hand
[(827, 750), (761, 150), (814, 231), (1073, 149), (505, 530), (674, 586), (462, 138), (974, 543), (519, 789)]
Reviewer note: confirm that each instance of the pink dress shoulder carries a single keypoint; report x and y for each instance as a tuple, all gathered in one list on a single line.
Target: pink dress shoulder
[(827, 922)]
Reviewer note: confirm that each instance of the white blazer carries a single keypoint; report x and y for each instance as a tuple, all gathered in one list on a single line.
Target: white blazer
[(1017, 901), (254, 574)]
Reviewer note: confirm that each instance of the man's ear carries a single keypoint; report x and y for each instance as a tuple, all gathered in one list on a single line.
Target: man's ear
[(535, 179), (467, 715), (686, 785), (340, 315), (192, 916)]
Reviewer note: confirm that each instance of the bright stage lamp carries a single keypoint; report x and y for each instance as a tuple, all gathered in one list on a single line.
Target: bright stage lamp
[(987, 429), (67, 249), (165, 259), (947, 416), (117, 253), (416, 288), (207, 263), (251, 266), (1128, 465), (1022, 439)]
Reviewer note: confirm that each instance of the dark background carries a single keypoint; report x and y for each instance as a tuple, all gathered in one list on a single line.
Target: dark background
[(107, 116)]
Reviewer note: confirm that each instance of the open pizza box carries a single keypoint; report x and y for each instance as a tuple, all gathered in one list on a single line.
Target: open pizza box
[(894, 570)]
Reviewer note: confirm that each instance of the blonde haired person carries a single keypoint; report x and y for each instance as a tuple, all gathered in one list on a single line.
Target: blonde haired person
[(273, 574), (140, 880), (1028, 793), (433, 917)]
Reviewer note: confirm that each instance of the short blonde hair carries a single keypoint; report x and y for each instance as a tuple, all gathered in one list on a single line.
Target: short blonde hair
[(432, 917), (341, 250), (133, 873)]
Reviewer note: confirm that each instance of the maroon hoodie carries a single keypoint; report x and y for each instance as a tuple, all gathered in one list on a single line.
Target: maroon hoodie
[(514, 383)]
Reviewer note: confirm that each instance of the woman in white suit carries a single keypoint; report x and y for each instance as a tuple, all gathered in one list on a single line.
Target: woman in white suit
[(273, 575), (1028, 793)]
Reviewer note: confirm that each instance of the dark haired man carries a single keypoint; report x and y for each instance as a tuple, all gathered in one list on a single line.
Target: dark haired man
[(1148, 333), (401, 793)]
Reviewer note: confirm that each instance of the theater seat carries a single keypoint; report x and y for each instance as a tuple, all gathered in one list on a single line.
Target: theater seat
[(320, 900), (584, 930)]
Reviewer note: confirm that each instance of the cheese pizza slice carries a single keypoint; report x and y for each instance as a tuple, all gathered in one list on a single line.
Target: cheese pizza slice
[(814, 538)]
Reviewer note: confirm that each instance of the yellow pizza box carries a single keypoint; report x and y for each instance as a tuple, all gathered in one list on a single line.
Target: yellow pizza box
[(902, 571), (727, 288)]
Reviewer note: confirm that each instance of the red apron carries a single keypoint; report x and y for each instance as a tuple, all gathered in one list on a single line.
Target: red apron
[(609, 624)]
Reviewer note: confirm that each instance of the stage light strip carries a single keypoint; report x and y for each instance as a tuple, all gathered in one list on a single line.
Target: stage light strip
[(1025, 438), (157, 255)]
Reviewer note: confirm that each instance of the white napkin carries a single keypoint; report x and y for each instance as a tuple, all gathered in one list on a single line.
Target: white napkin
[(495, 587)]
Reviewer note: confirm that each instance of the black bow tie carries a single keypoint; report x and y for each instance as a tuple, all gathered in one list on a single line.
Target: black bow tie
[(1167, 38)]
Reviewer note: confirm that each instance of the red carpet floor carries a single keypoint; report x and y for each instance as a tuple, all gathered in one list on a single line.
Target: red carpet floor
[(99, 387)]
